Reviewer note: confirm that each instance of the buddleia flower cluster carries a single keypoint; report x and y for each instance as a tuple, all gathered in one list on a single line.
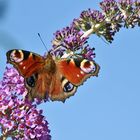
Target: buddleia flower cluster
[(105, 23), (69, 40), (19, 118)]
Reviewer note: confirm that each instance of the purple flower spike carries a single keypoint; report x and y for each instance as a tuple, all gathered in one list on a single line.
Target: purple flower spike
[(109, 6), (70, 38), (88, 19), (88, 53), (126, 2), (130, 11), (19, 118)]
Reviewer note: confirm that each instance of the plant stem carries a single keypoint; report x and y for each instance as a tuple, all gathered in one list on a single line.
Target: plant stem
[(87, 33)]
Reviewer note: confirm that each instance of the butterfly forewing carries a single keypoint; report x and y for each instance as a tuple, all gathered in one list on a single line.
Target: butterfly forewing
[(26, 62), (78, 70)]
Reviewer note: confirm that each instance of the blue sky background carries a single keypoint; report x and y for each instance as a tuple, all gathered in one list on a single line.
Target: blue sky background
[(104, 108)]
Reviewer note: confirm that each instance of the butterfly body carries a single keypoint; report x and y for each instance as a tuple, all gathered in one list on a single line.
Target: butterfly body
[(48, 76)]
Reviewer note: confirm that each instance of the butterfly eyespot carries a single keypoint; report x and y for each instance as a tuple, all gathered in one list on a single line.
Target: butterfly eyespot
[(87, 66), (16, 56), (67, 86), (31, 81)]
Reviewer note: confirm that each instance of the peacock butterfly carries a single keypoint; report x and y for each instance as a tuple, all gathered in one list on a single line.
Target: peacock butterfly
[(49, 76)]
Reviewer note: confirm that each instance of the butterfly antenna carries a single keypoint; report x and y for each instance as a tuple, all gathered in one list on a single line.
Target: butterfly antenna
[(43, 42)]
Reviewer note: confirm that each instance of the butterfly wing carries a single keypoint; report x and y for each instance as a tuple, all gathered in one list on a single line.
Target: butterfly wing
[(25, 62), (60, 88), (70, 74), (77, 70), (31, 67)]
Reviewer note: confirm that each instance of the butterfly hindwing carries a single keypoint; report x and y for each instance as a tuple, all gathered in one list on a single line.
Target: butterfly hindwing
[(61, 88), (69, 75)]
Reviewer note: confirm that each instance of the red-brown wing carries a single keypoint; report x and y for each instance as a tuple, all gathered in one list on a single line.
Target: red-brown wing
[(52, 85), (70, 73), (25, 62), (60, 88), (42, 85), (77, 70)]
